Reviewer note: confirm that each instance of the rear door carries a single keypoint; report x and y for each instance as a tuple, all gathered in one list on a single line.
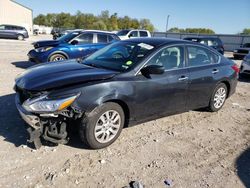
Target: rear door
[(203, 67)]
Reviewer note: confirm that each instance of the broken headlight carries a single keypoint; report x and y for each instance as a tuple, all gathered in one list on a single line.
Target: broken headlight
[(43, 104)]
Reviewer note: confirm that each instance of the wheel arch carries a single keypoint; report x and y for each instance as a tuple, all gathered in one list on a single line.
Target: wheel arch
[(124, 107), (228, 86)]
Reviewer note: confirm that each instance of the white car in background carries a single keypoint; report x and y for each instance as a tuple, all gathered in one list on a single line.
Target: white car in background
[(133, 33), (245, 66)]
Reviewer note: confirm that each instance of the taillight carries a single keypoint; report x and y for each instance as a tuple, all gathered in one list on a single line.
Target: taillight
[(236, 68)]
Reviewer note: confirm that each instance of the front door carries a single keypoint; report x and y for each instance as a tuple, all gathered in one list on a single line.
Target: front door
[(166, 93)]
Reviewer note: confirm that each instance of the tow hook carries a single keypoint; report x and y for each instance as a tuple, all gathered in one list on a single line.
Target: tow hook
[(35, 135)]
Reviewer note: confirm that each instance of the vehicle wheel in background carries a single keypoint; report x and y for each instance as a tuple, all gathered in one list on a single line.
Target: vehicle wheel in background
[(102, 126), (57, 57), (20, 37)]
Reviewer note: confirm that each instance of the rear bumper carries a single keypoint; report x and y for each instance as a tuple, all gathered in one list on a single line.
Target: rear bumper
[(31, 119)]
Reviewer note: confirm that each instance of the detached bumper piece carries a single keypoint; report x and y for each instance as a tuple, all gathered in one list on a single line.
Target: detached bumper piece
[(49, 129)]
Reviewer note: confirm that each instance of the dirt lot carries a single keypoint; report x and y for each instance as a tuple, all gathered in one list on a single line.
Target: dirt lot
[(194, 149)]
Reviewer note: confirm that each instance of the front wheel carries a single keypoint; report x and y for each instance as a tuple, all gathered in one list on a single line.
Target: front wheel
[(57, 57), (102, 126), (218, 97)]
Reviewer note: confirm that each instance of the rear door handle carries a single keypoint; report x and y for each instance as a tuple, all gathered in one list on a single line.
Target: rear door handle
[(215, 71), (183, 78)]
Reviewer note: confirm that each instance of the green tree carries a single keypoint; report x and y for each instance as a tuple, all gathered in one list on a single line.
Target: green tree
[(246, 31), (40, 20), (146, 24), (191, 30)]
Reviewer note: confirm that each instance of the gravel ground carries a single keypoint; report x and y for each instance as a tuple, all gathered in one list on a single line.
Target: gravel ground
[(193, 149)]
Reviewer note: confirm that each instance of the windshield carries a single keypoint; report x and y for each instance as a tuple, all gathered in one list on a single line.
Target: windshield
[(119, 56), (68, 37), (122, 32), (247, 45)]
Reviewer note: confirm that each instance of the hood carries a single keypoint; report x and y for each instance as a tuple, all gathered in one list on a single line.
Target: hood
[(45, 43), (58, 74)]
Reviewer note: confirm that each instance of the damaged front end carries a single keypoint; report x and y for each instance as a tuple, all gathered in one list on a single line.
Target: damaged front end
[(48, 117)]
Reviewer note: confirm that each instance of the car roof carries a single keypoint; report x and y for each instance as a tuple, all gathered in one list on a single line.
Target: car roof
[(158, 41), (12, 25), (202, 37), (98, 31)]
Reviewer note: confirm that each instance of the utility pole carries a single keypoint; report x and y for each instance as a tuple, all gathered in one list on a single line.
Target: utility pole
[(167, 24)]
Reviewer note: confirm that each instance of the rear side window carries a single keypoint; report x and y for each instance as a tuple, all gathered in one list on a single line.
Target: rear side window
[(198, 56), (102, 38), (85, 38), (143, 34)]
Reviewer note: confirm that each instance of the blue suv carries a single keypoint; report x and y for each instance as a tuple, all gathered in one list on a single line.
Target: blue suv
[(77, 44)]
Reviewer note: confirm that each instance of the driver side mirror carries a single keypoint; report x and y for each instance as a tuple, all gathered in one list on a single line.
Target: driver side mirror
[(74, 42), (152, 69), (130, 35)]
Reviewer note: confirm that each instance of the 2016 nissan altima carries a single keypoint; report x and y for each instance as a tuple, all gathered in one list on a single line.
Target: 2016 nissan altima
[(125, 83)]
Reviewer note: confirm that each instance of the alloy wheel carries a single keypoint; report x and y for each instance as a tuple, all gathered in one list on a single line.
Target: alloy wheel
[(107, 126)]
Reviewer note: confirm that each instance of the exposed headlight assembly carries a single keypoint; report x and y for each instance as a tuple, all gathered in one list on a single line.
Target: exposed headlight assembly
[(43, 49), (43, 104)]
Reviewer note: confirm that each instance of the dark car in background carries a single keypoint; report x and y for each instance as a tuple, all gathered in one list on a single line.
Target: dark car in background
[(213, 42), (240, 53), (122, 84), (13, 32), (60, 33), (77, 44)]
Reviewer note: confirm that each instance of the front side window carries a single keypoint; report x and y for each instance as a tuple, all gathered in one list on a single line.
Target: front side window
[(120, 56), (85, 38), (169, 58), (102, 38), (198, 56), (2, 27)]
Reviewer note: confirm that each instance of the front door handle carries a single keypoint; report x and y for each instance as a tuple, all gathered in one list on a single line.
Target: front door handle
[(214, 71), (183, 78)]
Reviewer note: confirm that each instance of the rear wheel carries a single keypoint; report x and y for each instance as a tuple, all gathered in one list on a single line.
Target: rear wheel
[(218, 97), (102, 126), (57, 57), (20, 37)]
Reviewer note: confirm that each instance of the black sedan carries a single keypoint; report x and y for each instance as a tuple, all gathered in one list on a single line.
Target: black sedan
[(123, 84)]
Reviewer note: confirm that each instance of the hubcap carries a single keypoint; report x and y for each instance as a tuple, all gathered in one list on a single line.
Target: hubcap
[(107, 126), (58, 58), (219, 97)]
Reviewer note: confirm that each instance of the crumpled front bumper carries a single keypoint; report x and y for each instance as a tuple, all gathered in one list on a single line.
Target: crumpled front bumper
[(28, 117), (35, 130)]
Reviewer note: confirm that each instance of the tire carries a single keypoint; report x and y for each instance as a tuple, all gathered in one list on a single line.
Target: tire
[(92, 128), (20, 37), (218, 98), (57, 57)]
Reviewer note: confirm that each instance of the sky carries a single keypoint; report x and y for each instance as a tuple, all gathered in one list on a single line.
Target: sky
[(222, 16)]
